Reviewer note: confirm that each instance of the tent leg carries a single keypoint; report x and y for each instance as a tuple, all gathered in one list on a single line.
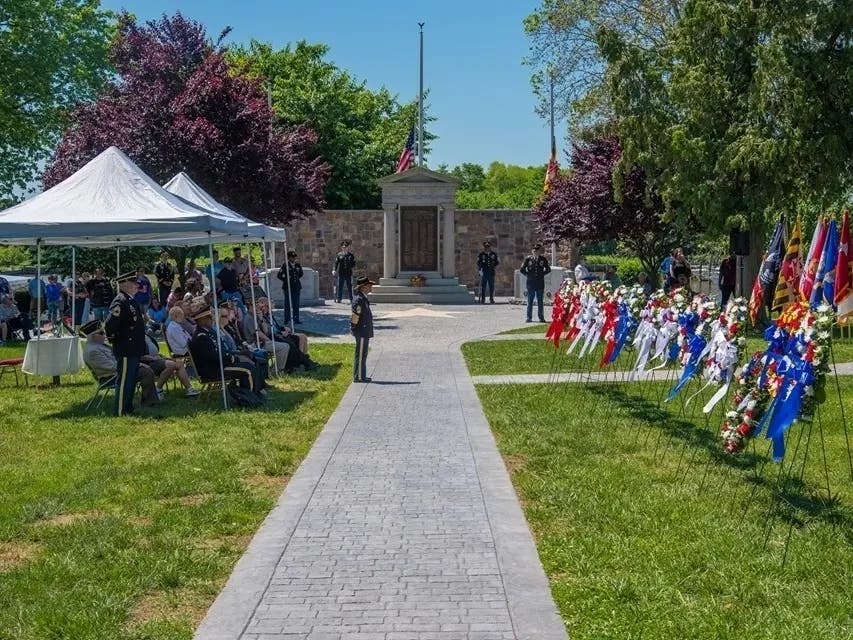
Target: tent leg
[(118, 261), (252, 288), (289, 300), (218, 335), (38, 302), (272, 307), (73, 290)]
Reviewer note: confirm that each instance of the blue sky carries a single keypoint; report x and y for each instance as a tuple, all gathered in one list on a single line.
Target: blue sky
[(473, 49)]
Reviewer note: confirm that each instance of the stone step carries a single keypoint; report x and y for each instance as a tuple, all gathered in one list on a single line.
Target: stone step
[(417, 298), (431, 290), (430, 282)]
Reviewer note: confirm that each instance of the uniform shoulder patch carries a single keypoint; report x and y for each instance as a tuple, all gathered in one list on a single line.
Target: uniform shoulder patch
[(116, 310)]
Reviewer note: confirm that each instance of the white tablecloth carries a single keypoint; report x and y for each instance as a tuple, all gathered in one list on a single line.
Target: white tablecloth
[(50, 356)]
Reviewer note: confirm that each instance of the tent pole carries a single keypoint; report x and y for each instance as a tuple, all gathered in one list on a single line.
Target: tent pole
[(118, 262), (252, 287), (38, 302), (218, 331), (73, 291), (272, 307)]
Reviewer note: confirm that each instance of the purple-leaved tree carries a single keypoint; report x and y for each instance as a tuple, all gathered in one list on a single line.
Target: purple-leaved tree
[(583, 205), (176, 106)]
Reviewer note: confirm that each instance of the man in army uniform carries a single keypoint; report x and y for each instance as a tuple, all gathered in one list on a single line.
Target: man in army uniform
[(361, 326), (125, 329), (205, 350), (344, 264), (293, 270), (535, 267), (487, 261)]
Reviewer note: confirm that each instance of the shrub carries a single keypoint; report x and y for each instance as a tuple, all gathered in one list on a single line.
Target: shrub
[(626, 268)]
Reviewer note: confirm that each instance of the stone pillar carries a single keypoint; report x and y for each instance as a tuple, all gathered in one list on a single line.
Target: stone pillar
[(389, 244), (448, 246)]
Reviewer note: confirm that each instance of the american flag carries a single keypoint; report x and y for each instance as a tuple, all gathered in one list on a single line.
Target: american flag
[(407, 158)]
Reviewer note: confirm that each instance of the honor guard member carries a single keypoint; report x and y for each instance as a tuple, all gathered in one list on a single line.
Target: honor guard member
[(125, 329), (292, 270), (535, 267), (205, 350), (361, 326), (344, 264), (487, 261)]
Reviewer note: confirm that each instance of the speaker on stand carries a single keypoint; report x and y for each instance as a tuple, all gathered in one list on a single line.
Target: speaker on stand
[(739, 246)]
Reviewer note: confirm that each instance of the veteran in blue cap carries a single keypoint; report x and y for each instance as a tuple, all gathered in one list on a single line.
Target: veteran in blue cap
[(125, 329)]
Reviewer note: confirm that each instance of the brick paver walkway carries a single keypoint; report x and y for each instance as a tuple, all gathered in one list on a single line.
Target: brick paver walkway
[(401, 523)]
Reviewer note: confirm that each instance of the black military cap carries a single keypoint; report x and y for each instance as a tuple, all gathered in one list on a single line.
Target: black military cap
[(486, 243), (537, 246), (362, 281), (291, 254), (130, 275), (93, 326)]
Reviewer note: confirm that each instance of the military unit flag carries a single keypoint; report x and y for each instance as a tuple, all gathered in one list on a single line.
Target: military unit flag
[(792, 268), (843, 295), (765, 284), (407, 158), (824, 283), (813, 260)]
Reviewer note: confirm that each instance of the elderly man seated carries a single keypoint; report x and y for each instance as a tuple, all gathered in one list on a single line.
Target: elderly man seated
[(270, 330), (102, 363), (206, 351), (253, 333), (177, 336), (11, 319), (232, 345), (166, 368)]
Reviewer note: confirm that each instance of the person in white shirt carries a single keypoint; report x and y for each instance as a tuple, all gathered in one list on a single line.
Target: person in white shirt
[(177, 337), (581, 271)]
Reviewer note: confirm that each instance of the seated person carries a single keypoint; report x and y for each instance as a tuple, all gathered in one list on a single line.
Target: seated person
[(175, 296), (100, 360), (11, 319), (157, 315), (243, 351), (254, 334), (206, 351), (298, 342), (177, 337), (165, 368)]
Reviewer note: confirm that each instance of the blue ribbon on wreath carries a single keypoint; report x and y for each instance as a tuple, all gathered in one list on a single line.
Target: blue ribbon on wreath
[(695, 348)]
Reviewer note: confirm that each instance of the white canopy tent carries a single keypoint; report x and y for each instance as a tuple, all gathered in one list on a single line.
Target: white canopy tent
[(112, 202)]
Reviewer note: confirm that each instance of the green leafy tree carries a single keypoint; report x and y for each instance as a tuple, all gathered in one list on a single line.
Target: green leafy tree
[(53, 54), (360, 132), (502, 186)]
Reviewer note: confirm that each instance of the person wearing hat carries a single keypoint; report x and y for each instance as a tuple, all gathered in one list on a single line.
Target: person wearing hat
[(101, 361), (206, 351), (344, 264), (125, 329), (487, 261), (535, 267), (361, 327), (292, 270)]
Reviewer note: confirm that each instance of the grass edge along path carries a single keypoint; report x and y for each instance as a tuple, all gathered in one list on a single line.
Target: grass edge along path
[(128, 528), (645, 531)]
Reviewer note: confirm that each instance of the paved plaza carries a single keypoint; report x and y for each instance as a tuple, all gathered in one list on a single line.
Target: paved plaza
[(401, 523)]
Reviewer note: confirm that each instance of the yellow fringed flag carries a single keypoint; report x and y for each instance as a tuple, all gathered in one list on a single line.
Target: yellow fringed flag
[(792, 268)]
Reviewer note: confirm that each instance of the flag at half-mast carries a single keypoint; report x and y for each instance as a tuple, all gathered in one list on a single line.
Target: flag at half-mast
[(844, 273), (768, 274), (812, 260), (553, 168), (792, 269), (407, 157)]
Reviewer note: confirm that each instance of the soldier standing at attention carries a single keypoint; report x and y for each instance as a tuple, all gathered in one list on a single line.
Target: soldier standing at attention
[(125, 328), (487, 260), (361, 326), (535, 267), (344, 263), (293, 271)]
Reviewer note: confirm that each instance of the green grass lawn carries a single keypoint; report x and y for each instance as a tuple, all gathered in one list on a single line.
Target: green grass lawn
[(637, 518), (536, 327), (128, 528)]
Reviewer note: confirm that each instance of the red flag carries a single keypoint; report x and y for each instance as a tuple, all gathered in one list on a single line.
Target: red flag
[(813, 259), (551, 171), (407, 157), (844, 273)]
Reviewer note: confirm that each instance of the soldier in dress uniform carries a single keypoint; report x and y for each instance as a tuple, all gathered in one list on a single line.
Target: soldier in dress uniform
[(361, 326), (293, 270), (344, 264), (535, 267), (125, 329), (487, 261), (205, 350)]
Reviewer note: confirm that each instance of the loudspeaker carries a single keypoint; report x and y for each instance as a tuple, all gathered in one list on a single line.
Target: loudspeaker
[(739, 242)]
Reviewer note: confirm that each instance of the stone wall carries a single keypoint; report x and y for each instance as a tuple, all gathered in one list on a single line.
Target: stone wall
[(511, 232)]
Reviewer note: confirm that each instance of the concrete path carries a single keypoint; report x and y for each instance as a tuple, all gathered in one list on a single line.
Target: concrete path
[(401, 524)]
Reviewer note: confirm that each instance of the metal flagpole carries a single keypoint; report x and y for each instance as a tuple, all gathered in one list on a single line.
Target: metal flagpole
[(218, 330), (421, 101), (553, 157)]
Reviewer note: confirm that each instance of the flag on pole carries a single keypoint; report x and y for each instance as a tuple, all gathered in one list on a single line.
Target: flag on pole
[(407, 158), (790, 272), (552, 170), (844, 273), (812, 260), (825, 278), (768, 274)]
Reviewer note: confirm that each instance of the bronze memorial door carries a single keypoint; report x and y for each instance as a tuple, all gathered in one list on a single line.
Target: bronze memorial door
[(418, 239)]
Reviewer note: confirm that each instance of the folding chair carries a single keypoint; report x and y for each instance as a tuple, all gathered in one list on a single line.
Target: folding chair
[(208, 385), (13, 365), (102, 390)]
